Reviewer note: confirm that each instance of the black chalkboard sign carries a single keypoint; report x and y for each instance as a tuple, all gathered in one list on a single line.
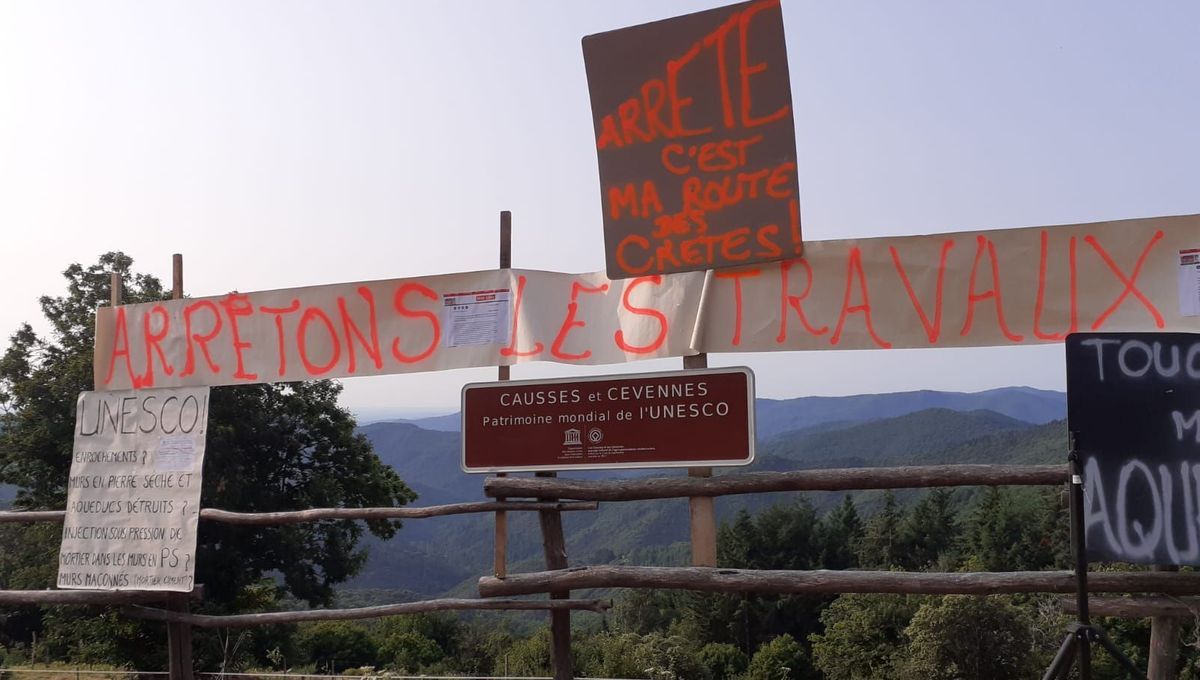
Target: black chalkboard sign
[(1133, 408)]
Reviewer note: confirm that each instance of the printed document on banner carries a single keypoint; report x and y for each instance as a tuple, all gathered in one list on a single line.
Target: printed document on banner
[(480, 317), (1189, 282), (133, 497)]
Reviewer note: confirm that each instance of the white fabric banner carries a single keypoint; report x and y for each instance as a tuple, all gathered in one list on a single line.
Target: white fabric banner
[(966, 289)]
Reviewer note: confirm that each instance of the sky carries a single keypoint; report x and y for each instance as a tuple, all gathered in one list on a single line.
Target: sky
[(290, 143)]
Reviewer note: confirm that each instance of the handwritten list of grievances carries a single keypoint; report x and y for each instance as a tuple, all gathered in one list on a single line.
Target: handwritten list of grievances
[(1133, 406), (965, 289), (696, 144), (133, 499)]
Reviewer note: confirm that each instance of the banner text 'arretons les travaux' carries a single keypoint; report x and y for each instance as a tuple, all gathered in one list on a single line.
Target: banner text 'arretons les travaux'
[(966, 289)]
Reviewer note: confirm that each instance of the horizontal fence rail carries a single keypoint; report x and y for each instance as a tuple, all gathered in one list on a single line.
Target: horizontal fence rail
[(1138, 607), (380, 611), (83, 597), (317, 514), (711, 579), (845, 479)]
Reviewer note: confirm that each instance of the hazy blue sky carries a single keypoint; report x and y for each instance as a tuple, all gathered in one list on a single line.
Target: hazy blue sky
[(280, 144)]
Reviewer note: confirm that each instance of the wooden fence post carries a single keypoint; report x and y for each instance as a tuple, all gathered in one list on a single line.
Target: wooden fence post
[(554, 546), (703, 510), (179, 635), (1164, 642), (500, 557)]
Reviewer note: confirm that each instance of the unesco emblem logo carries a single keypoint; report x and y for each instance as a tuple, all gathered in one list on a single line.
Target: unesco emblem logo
[(595, 435)]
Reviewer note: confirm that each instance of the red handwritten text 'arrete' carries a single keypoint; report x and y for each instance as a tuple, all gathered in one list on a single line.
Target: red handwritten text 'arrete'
[(718, 173)]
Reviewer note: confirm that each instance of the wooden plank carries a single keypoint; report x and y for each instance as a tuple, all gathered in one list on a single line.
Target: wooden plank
[(830, 582), (79, 597), (1139, 607), (846, 479), (317, 514), (357, 613)]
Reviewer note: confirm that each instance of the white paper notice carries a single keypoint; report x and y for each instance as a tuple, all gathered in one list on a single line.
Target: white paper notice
[(1189, 282), (174, 454), (481, 317), (133, 498)]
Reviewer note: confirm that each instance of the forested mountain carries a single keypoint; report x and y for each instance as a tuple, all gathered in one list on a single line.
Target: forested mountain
[(434, 556)]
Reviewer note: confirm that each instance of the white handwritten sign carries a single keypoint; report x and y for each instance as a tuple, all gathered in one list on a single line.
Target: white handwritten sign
[(133, 498)]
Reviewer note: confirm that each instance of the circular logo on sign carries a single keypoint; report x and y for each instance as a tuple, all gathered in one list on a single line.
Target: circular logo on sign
[(595, 435)]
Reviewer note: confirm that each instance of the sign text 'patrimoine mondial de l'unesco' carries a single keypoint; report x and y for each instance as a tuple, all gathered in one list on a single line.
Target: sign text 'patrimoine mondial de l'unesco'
[(700, 417)]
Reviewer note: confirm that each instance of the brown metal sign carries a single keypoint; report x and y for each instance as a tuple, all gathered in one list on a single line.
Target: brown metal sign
[(674, 419), (696, 142)]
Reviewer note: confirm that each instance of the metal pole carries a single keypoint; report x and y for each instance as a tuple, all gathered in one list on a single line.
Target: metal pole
[(1079, 550)]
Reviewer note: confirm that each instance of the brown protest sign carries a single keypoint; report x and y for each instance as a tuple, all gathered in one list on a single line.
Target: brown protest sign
[(696, 144), (670, 419)]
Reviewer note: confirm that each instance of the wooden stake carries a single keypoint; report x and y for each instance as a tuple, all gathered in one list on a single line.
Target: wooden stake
[(554, 546), (703, 509), (179, 635), (1164, 642), (177, 276), (500, 557)]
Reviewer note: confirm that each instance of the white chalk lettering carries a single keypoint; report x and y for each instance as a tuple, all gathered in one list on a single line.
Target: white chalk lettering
[(1095, 510), (1099, 344), (1146, 541), (1182, 425), (1124, 352)]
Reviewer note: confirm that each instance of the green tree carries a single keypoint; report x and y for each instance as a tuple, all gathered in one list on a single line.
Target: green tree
[(334, 646), (480, 645), (785, 536), (270, 448), (644, 611), (840, 531), (1017, 529), (608, 655), (723, 661), (863, 636), (668, 657), (929, 531), (40, 379), (968, 638), (780, 659), (527, 656), (417, 641), (880, 546), (409, 652)]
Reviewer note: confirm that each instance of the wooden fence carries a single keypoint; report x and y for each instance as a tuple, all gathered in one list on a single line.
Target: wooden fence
[(550, 496)]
